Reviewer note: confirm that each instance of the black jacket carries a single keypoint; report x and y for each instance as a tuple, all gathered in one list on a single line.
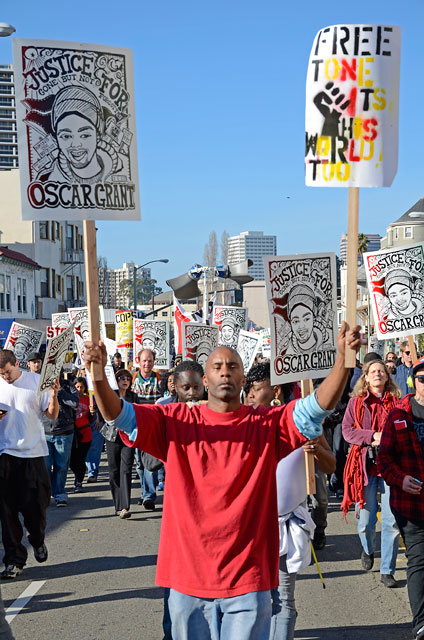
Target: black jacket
[(64, 424)]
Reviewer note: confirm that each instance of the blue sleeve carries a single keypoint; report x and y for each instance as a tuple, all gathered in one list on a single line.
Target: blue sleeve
[(308, 416), (126, 421)]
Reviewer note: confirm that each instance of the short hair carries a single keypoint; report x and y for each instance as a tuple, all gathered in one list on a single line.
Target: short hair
[(82, 381), (390, 353), (372, 356), (258, 373), (188, 365), (117, 355), (404, 345), (7, 356), (149, 350)]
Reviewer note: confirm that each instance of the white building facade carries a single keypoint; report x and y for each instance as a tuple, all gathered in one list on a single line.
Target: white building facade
[(17, 285), (111, 293), (8, 135), (253, 245)]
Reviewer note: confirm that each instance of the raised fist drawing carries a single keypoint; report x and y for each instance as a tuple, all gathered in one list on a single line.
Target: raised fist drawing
[(331, 103)]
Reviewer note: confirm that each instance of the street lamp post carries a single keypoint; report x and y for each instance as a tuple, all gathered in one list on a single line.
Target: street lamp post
[(135, 269)]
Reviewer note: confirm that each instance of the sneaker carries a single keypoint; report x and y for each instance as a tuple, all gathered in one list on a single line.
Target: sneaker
[(92, 479), (140, 502), (124, 514), (41, 553), (160, 486), (78, 488), (367, 561), (319, 541), (149, 505), (61, 503), (11, 571), (420, 634), (388, 580)]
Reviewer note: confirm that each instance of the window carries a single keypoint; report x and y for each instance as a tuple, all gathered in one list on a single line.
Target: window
[(52, 235), (81, 290), (44, 283), (19, 292), (57, 284), (69, 236), (163, 313), (408, 232), (57, 231), (44, 230), (53, 281), (24, 296), (8, 292), (396, 233), (2, 292), (69, 288)]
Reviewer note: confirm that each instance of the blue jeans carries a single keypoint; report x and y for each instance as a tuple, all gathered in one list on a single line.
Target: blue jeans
[(284, 614), (92, 461), (57, 463), (244, 617), (148, 479), (367, 519)]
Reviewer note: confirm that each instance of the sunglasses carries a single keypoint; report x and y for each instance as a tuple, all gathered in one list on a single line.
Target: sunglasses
[(124, 378), (420, 379), (408, 353)]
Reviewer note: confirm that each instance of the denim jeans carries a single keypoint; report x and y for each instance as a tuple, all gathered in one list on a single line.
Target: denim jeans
[(58, 462), (367, 519), (92, 461), (148, 479), (413, 535), (244, 617), (284, 614)]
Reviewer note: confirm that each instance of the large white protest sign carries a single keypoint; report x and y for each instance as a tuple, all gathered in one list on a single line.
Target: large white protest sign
[(22, 340), (247, 347), (76, 131), (79, 317), (352, 106), (396, 285), (199, 340), (301, 292), (56, 353), (154, 335), (230, 321)]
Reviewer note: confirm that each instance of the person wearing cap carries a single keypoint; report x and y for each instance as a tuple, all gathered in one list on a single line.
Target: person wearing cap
[(400, 291), (35, 361), (117, 362), (401, 463), (373, 397), (403, 375)]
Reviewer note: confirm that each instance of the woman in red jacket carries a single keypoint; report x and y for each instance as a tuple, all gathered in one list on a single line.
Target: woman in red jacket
[(82, 436), (373, 397)]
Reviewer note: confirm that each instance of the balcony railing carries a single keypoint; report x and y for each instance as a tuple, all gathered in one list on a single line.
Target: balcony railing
[(72, 256)]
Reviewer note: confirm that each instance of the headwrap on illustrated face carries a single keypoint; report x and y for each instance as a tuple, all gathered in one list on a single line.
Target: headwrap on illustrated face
[(78, 101)]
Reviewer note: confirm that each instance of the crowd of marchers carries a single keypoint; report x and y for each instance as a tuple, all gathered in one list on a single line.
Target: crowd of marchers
[(228, 450)]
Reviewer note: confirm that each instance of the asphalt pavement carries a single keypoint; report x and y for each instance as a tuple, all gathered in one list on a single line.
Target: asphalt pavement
[(99, 580)]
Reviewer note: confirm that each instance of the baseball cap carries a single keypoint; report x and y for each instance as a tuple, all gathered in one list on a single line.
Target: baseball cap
[(418, 364), (371, 356), (34, 355)]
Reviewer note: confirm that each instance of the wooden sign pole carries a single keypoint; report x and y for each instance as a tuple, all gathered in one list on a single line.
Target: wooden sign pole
[(92, 284), (352, 266), (311, 488), (412, 349), (126, 358)]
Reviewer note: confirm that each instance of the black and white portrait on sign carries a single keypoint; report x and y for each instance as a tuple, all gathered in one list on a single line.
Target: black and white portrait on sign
[(76, 131), (54, 359), (230, 321), (247, 347), (301, 292), (199, 340), (153, 335), (22, 340)]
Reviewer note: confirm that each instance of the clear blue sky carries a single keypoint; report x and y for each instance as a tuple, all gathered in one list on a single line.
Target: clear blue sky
[(220, 95)]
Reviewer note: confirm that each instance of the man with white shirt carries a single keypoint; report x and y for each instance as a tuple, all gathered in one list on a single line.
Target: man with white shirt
[(24, 480)]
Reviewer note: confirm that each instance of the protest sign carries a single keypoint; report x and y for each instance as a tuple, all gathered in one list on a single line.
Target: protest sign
[(79, 317), (376, 346), (247, 347), (180, 316), (301, 293), (109, 374), (199, 340), (124, 333), (22, 340), (56, 353), (110, 349), (61, 320), (396, 287), (76, 131), (265, 335), (154, 335), (229, 320), (352, 106)]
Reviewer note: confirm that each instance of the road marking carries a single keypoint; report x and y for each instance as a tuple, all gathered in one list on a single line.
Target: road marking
[(22, 600)]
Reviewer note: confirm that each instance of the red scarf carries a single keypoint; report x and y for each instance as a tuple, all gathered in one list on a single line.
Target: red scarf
[(353, 476)]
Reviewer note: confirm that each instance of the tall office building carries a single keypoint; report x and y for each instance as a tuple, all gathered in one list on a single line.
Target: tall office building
[(253, 245), (8, 135), (111, 294), (374, 244)]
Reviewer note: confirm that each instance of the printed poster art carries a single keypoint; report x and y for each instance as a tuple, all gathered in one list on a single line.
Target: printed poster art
[(352, 106), (301, 292), (79, 317), (396, 285), (229, 320), (199, 340), (22, 340), (247, 347), (76, 131), (56, 353), (154, 335)]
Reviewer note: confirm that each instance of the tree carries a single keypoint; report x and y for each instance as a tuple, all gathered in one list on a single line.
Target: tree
[(145, 289), (362, 245)]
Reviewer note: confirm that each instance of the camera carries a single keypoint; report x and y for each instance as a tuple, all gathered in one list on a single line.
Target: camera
[(372, 453)]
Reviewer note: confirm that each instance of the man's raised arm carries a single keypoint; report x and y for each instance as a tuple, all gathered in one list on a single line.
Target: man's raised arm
[(106, 399), (330, 390)]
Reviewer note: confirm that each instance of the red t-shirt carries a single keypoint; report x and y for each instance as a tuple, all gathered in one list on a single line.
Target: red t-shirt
[(219, 533), (82, 420)]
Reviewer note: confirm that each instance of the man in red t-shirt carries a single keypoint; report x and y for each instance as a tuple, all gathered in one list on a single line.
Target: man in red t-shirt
[(218, 551)]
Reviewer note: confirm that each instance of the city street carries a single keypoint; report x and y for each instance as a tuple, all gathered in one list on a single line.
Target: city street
[(99, 580)]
